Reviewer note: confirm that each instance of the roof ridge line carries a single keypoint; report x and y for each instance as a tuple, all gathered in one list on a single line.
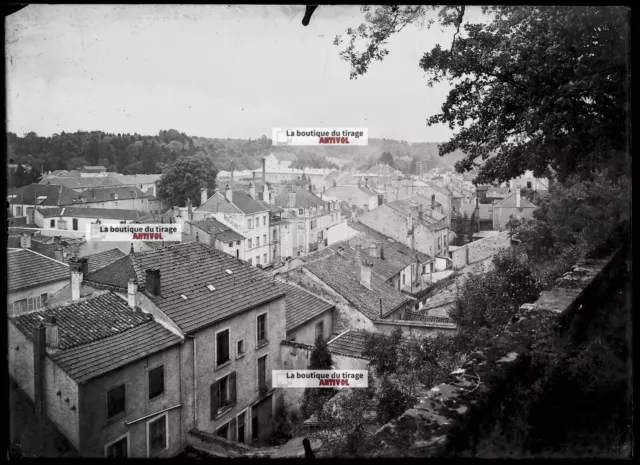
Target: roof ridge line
[(48, 258), (341, 334)]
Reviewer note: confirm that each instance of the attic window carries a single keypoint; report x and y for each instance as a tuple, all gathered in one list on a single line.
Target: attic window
[(210, 287), (183, 296), (41, 199), (228, 271)]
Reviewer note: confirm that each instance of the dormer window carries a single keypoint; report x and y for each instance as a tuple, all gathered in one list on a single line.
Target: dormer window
[(41, 199)]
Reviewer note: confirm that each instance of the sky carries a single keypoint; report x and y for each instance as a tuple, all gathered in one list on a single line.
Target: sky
[(211, 71)]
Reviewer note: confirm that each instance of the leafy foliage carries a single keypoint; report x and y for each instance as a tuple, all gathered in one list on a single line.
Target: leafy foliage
[(539, 88), (184, 179), (314, 399), (22, 176)]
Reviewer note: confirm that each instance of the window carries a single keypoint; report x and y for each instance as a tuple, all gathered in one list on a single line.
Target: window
[(301, 225), (250, 261), (313, 224), (258, 260), (301, 211), (222, 347), (223, 394), (275, 234), (264, 239), (528, 184), (118, 448), (52, 224), (75, 224), (262, 328), (320, 330), (157, 436), (250, 243), (156, 381), (237, 242), (230, 244), (258, 241), (250, 223), (403, 279), (254, 424), (241, 432), (264, 221), (237, 253), (264, 259), (240, 347), (20, 307), (116, 204), (223, 431), (262, 374), (115, 401)]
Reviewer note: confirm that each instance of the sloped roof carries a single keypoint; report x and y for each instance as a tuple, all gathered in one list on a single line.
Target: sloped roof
[(389, 242), (510, 202), (26, 268), (134, 179), (186, 269), (102, 259), (342, 274), (223, 232), (37, 245), (98, 213), (285, 156), (381, 170), (55, 195), (304, 198), (430, 217), (94, 168), (302, 306), (104, 194), (99, 333), (73, 182), (241, 203)]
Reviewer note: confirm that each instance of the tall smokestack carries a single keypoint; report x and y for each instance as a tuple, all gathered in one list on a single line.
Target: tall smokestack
[(252, 189), (77, 269), (203, 196)]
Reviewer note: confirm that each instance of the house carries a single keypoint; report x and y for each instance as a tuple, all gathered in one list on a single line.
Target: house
[(118, 197), (360, 196), (79, 183), (361, 297), (529, 181), (309, 317), (219, 236), (26, 199), (144, 182), (31, 278), (92, 171), (246, 215), (514, 204), (444, 197), (427, 236), (281, 235), (420, 208), (496, 193), (104, 372), (233, 319), (78, 218), (311, 218)]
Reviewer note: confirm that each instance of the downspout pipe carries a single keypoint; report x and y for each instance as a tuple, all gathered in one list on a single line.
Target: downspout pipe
[(195, 382)]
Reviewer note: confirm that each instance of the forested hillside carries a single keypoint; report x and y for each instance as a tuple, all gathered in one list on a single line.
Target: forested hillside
[(139, 154)]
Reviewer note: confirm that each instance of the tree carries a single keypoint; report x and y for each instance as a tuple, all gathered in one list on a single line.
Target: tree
[(460, 226), (544, 88), (314, 398), (184, 179), (387, 159)]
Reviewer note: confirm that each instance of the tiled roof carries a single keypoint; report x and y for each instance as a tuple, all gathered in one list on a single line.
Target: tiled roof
[(105, 194), (381, 169), (349, 343), (55, 195), (94, 168), (223, 232), (135, 179), (435, 321), (497, 192), (99, 333), (100, 213), (304, 198), (37, 245), (510, 202), (102, 259), (73, 182), (302, 306), (442, 190), (343, 276), (186, 269), (429, 217), (363, 228), (241, 203), (394, 260), (272, 208), (26, 268)]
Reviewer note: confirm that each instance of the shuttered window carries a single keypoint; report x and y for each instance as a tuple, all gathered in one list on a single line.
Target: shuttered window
[(223, 394)]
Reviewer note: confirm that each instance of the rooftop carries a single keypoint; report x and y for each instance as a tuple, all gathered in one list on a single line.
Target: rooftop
[(241, 203), (44, 195), (73, 182), (222, 232), (390, 243), (187, 269), (304, 198), (99, 333), (510, 202), (102, 259), (105, 194), (26, 268), (98, 213), (302, 306)]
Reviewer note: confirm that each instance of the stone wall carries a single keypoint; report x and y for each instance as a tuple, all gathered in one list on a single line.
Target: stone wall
[(450, 415)]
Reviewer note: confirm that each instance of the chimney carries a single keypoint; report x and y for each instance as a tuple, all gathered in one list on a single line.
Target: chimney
[(132, 293), (25, 240), (292, 199), (58, 252), (252, 189), (433, 201), (264, 170), (409, 225), (518, 197), (203, 195), (39, 354), (77, 270), (232, 170), (358, 251), (228, 193), (381, 252), (153, 281), (365, 274), (373, 251), (310, 188), (420, 212), (265, 193), (254, 177), (52, 332)]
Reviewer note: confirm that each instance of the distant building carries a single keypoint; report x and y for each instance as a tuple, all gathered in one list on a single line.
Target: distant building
[(359, 195), (514, 204)]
